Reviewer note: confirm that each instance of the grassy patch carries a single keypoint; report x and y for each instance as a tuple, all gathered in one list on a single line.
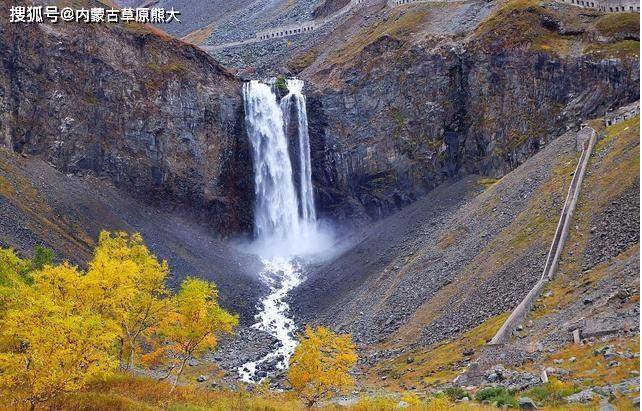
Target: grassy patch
[(497, 396), (126, 392), (612, 24), (534, 25), (487, 182), (6, 188), (622, 48), (302, 61), (399, 25), (434, 364), (199, 36), (451, 237), (553, 392), (594, 369), (518, 22)]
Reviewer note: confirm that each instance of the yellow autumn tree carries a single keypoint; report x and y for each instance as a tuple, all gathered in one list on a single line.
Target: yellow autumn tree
[(126, 283), (13, 272), (50, 341), (192, 326), (320, 365)]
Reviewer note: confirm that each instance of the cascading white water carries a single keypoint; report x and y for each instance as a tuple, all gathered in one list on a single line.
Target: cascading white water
[(285, 222), (306, 195), (276, 207)]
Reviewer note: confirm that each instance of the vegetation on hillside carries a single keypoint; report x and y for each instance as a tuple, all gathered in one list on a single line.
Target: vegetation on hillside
[(559, 29), (78, 339), (62, 328), (320, 365)]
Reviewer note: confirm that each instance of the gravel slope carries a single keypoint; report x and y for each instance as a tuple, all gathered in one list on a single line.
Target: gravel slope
[(40, 205), (445, 264)]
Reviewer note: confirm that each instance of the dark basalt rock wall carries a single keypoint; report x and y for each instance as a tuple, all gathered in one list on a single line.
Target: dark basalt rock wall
[(416, 117), (155, 116)]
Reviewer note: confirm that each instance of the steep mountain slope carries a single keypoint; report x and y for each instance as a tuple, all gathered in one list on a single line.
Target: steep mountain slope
[(154, 115), (42, 206), (427, 287), (456, 244), (217, 22), (597, 286), (196, 15)]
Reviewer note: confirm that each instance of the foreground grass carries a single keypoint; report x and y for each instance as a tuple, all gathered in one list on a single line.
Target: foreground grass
[(127, 392)]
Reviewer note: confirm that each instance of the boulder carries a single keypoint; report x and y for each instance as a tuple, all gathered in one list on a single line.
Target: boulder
[(526, 403), (582, 396)]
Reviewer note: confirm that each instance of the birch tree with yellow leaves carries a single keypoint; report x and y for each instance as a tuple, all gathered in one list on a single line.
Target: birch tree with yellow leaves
[(192, 326), (126, 283), (50, 340), (320, 365)]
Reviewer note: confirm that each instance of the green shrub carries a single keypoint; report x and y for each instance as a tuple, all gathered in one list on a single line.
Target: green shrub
[(490, 393), (457, 393), (505, 400), (552, 392), (497, 396), (42, 256), (281, 86)]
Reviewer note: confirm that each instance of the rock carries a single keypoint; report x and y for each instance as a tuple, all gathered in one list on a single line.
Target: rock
[(409, 360), (403, 404), (558, 361), (600, 351), (609, 355), (605, 406), (544, 376), (202, 378), (613, 364), (193, 362), (492, 377), (582, 396), (572, 359), (468, 352), (526, 403)]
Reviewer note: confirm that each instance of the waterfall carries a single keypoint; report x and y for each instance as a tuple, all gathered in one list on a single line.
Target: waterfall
[(306, 194), (285, 225), (276, 207)]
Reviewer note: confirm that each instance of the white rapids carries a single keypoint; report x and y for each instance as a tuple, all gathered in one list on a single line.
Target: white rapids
[(282, 276), (285, 225)]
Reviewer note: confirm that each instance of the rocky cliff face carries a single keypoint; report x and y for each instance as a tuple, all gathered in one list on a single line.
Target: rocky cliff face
[(397, 110), (155, 116)]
